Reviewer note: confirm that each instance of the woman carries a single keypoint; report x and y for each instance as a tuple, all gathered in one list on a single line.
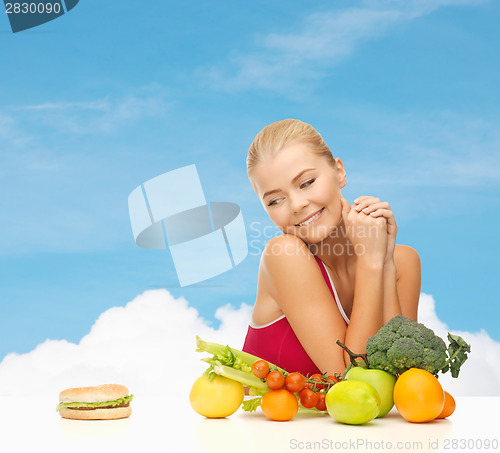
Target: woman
[(336, 272)]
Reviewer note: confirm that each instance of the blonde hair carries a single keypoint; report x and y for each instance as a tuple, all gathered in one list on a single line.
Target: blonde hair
[(274, 137)]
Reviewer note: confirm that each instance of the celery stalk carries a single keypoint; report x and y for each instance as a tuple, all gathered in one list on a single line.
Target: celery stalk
[(215, 348), (246, 379)]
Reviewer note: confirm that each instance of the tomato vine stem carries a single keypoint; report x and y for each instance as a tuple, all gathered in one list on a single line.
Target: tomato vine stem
[(353, 356)]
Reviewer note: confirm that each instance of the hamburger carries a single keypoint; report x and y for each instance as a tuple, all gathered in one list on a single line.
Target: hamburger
[(102, 402)]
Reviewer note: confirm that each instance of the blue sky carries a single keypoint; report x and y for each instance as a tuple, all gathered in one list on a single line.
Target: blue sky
[(104, 98)]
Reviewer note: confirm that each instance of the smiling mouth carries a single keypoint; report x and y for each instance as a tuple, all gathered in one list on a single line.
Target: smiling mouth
[(310, 219)]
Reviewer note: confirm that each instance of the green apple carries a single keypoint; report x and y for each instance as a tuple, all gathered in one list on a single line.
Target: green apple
[(382, 381), (352, 402)]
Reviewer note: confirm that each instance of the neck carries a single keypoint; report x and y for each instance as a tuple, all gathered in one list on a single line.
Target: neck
[(336, 251)]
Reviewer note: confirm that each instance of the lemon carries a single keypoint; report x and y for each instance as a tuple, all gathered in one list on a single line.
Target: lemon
[(217, 398)]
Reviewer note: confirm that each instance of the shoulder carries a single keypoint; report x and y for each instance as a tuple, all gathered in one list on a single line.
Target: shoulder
[(286, 259), (406, 258), (283, 244), (286, 250)]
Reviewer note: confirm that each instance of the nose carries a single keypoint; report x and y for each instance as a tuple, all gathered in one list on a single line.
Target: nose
[(298, 202)]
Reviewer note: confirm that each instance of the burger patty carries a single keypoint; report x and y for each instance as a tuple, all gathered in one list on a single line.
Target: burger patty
[(102, 407)]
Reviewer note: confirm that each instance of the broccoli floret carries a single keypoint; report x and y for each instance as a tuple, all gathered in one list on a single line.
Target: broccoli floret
[(405, 353), (418, 332), (396, 323), (403, 344), (379, 361), (381, 342)]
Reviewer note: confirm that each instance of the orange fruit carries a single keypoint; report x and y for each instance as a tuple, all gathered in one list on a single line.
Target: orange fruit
[(279, 404), (449, 406), (418, 396)]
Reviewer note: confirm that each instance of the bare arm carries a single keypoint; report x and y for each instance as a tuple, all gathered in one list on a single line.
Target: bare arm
[(402, 280), (409, 277), (393, 289), (392, 305), (367, 310), (375, 208), (370, 239), (401, 268)]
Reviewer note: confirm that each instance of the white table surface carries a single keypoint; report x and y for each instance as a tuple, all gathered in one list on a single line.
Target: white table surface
[(32, 425)]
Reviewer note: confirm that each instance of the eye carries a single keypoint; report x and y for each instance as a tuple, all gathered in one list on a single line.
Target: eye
[(307, 183), (274, 202)]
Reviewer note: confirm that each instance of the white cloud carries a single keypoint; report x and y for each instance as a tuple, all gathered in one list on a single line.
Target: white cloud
[(150, 344), (280, 61), (480, 375)]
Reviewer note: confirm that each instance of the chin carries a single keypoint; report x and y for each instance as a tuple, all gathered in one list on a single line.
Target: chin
[(315, 235)]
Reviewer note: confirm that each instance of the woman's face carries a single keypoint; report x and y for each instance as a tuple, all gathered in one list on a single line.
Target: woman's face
[(300, 191)]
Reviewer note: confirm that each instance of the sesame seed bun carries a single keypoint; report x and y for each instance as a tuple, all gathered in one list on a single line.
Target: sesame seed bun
[(97, 394)]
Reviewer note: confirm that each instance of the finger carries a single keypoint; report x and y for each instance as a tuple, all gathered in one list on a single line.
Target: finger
[(382, 212), (362, 197), (366, 199), (392, 226), (369, 201), (373, 207)]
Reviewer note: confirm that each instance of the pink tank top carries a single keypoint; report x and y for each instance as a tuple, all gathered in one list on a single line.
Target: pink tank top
[(277, 343)]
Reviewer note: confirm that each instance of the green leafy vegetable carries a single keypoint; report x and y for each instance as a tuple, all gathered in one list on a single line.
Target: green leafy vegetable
[(457, 352), (125, 399), (251, 405)]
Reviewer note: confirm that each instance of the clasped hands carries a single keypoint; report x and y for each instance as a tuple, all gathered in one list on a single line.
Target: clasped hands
[(371, 223)]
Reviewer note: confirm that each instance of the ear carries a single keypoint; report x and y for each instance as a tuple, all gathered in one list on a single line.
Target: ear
[(341, 172)]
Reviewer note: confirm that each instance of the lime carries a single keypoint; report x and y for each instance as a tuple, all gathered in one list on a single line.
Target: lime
[(353, 402)]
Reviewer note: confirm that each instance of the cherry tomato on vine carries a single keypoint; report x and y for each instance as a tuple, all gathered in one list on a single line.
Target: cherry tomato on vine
[(308, 398), (275, 380), (321, 404), (260, 368), (318, 378), (295, 382), (330, 380)]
